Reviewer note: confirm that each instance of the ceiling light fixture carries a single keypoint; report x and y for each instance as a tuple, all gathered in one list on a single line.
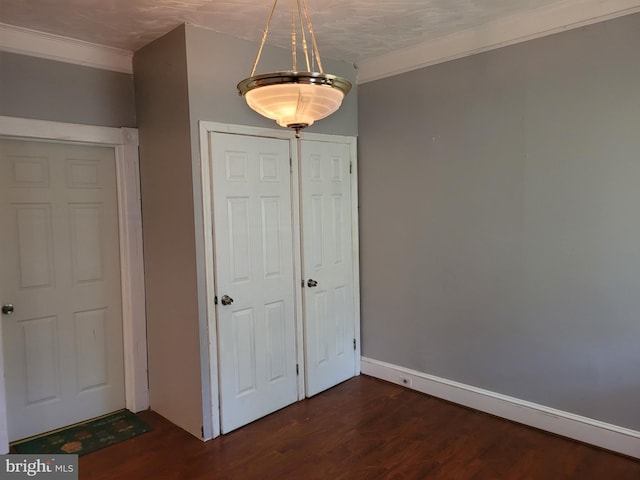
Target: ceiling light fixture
[(294, 99)]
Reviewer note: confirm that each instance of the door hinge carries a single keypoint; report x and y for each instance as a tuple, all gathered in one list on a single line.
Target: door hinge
[(290, 165), (215, 300), (297, 369), (354, 343), (201, 431), (350, 167)]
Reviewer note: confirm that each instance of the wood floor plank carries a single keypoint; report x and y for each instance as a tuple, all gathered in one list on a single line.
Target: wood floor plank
[(363, 429)]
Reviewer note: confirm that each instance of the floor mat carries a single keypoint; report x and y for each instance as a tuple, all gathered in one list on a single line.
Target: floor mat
[(87, 437)]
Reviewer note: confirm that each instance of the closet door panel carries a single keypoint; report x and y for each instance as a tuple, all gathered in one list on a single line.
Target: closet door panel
[(253, 243), (329, 310)]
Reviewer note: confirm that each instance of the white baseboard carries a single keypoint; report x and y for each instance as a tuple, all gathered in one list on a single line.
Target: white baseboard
[(587, 430)]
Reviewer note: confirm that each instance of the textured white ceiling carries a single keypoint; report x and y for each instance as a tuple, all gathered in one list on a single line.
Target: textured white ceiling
[(349, 30)]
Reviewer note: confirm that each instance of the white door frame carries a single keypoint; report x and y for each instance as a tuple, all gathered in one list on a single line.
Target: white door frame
[(124, 141), (205, 264)]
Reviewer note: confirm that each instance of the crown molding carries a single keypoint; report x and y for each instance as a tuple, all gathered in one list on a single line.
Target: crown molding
[(63, 49), (538, 23), (499, 33)]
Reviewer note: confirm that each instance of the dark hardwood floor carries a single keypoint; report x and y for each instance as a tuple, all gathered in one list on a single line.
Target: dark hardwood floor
[(362, 429)]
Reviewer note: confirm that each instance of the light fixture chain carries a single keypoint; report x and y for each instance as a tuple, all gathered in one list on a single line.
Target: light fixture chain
[(294, 59), (304, 37), (264, 38), (313, 36)]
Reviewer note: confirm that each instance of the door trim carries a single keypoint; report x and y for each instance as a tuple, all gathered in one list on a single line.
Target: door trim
[(205, 257), (124, 141)]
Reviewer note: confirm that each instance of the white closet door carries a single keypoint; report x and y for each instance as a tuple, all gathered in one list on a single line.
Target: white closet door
[(327, 265), (60, 269), (253, 240)]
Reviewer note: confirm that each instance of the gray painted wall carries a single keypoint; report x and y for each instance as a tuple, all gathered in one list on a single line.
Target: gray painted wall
[(160, 71), (37, 88), (500, 235)]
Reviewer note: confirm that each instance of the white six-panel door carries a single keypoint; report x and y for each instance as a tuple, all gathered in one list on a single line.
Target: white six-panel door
[(63, 351), (329, 311), (259, 254), (253, 241)]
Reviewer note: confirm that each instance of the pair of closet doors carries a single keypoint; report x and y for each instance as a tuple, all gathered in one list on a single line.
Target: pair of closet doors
[(284, 244)]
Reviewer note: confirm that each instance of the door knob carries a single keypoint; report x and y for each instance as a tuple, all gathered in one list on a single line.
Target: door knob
[(312, 283), (7, 309), (226, 300)]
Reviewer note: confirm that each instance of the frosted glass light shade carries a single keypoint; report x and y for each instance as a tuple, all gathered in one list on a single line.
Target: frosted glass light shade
[(294, 99), (294, 104)]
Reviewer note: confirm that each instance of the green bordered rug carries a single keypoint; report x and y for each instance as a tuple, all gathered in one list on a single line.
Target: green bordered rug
[(87, 437)]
